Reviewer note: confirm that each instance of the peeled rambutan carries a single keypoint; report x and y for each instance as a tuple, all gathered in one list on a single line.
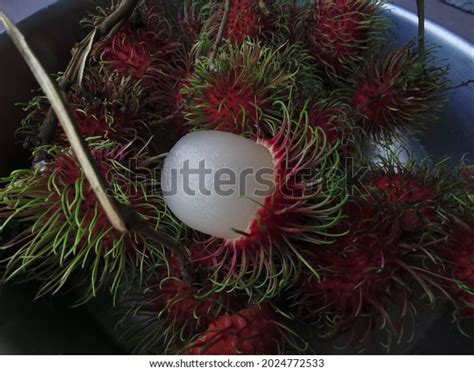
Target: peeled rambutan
[(306, 201), (339, 32), (237, 91), (398, 93), (66, 229), (252, 331)]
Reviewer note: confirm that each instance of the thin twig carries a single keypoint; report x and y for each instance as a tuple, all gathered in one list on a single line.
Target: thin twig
[(75, 69), (220, 33), (421, 27), (461, 85), (122, 217)]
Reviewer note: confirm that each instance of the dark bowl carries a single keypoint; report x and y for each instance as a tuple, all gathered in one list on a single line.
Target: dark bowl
[(49, 326)]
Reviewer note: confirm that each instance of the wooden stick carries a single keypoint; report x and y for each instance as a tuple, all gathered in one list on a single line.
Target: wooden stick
[(70, 128), (220, 33), (420, 4), (122, 218)]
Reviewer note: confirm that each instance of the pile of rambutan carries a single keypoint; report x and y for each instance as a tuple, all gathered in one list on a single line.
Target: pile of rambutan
[(351, 258)]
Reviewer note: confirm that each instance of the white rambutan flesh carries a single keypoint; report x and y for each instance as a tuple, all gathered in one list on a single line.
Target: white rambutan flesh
[(215, 182)]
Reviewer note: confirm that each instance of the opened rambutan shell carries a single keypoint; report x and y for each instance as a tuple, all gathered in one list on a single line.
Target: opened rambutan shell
[(305, 203)]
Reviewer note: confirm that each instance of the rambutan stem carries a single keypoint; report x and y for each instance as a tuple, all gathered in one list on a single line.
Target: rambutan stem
[(421, 27), (108, 28), (220, 33)]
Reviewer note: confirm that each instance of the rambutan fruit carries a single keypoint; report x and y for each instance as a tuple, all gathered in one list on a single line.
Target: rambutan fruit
[(251, 331), (171, 310), (105, 105), (370, 278), (237, 91), (305, 202), (398, 93), (247, 19), (418, 192), (143, 50), (339, 32), (151, 53), (66, 232), (458, 252), (332, 115), (466, 175)]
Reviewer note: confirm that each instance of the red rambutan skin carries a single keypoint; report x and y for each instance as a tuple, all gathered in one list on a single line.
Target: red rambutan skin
[(396, 93), (333, 118), (251, 331), (419, 193), (190, 23), (67, 173), (142, 52), (325, 119), (340, 31), (112, 107), (415, 199), (247, 19), (238, 91), (127, 57), (183, 305), (459, 252), (372, 275), (355, 271), (229, 103), (92, 126), (69, 226)]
